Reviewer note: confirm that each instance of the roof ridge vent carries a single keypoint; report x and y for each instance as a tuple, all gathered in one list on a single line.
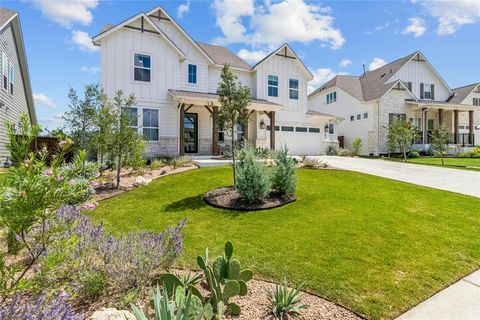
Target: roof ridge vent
[(383, 75)]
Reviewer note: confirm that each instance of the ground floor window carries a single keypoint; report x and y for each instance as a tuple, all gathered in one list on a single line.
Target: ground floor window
[(150, 124), (397, 116)]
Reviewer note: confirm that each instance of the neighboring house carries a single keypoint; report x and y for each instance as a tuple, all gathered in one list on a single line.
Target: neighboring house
[(409, 89), (174, 79), (15, 90)]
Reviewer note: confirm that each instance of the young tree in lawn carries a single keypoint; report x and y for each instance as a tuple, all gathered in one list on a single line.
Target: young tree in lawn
[(234, 100), (402, 134), (80, 118), (104, 121), (440, 140), (126, 142)]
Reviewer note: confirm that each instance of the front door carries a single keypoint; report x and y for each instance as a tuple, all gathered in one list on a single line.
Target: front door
[(191, 132)]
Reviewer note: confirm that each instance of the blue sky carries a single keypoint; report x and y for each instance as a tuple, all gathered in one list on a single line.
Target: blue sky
[(330, 36)]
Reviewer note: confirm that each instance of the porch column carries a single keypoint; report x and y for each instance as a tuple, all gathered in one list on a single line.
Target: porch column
[(272, 130), (215, 146), (455, 126), (470, 128), (182, 130), (440, 118), (424, 126)]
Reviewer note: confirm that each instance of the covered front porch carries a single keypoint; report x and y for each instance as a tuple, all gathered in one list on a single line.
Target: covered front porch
[(431, 115), (199, 130)]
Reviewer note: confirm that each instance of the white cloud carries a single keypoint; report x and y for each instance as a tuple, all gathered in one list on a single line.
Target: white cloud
[(52, 122), (182, 9), (379, 28), (417, 27), (376, 63), (90, 70), (41, 99), (320, 76), (451, 15), (272, 24), (67, 12), (83, 41), (345, 63), (252, 56)]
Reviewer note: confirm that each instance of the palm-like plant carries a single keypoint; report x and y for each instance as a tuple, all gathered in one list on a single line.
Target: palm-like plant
[(286, 302)]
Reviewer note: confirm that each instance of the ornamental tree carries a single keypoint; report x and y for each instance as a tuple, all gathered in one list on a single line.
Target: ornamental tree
[(440, 140), (234, 100), (401, 134)]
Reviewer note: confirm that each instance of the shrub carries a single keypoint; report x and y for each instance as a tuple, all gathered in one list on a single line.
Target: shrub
[(331, 151), (253, 181), (344, 152), (303, 157), (357, 146), (284, 179), (263, 153), (40, 308), (128, 261), (475, 153), (311, 163), (156, 164), (92, 284), (413, 154), (286, 302)]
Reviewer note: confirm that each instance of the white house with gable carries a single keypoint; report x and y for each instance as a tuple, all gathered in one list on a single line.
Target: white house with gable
[(408, 88), (175, 79)]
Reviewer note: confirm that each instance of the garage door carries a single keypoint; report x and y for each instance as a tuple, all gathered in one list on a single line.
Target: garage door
[(298, 141)]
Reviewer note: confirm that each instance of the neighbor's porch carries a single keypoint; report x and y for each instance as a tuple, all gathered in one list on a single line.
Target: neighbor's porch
[(431, 115), (199, 130)]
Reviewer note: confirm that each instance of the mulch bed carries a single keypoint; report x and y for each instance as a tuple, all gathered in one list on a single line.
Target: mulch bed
[(228, 198)]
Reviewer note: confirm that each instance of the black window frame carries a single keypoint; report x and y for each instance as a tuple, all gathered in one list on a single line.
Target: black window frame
[(192, 74), (293, 89), (272, 85), (142, 76)]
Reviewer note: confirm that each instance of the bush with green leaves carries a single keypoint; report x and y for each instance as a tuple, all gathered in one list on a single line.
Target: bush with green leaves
[(413, 154), (286, 302), (225, 279), (284, 179), (92, 284), (475, 153), (331, 151), (181, 306), (356, 146), (253, 179), (343, 152), (157, 164)]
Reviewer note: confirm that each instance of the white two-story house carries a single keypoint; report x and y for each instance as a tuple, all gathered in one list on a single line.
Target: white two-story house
[(175, 79), (408, 88)]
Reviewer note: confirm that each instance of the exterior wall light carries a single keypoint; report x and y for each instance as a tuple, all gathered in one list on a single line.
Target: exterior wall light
[(262, 124)]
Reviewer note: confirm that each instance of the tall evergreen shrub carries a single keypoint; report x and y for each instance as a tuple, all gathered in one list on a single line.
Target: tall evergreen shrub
[(253, 181), (284, 179)]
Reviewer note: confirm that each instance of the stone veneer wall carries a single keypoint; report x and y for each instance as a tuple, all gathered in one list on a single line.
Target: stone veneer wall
[(167, 146)]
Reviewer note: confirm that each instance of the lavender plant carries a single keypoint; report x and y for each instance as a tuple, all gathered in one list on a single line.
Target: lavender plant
[(127, 261), (40, 308)]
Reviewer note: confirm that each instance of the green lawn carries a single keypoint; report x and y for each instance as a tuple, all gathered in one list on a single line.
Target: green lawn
[(457, 163), (375, 245)]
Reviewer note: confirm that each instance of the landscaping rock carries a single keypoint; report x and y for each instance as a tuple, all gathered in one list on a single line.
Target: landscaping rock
[(112, 314), (141, 181)]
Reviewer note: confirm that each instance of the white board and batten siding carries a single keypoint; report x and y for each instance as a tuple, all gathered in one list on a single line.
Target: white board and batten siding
[(214, 72), (418, 72)]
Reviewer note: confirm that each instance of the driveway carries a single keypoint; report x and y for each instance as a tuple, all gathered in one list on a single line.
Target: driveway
[(455, 180)]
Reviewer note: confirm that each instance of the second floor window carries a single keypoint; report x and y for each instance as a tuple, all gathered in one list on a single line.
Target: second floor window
[(272, 86), (11, 77), (192, 73), (332, 97), (293, 89), (142, 67), (476, 101), (150, 124)]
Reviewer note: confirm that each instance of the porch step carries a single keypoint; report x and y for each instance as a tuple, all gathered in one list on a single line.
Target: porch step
[(209, 162)]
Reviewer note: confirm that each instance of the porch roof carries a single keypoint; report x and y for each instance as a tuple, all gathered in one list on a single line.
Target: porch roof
[(440, 105), (203, 98), (321, 115)]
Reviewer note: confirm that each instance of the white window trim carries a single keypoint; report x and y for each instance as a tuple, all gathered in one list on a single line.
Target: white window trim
[(4, 72), (134, 66), (11, 72), (158, 119), (429, 85)]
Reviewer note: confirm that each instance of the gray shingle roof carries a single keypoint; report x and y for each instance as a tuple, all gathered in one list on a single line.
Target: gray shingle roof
[(5, 15), (213, 96), (459, 94), (221, 55), (369, 86)]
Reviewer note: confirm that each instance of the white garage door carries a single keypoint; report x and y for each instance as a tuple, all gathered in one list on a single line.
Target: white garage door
[(298, 143)]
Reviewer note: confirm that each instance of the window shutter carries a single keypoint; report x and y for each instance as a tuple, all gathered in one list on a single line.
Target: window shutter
[(433, 91), (422, 95), (409, 85)]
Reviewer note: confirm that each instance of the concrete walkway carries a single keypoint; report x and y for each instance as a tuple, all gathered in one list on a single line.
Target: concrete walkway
[(455, 180), (460, 301)]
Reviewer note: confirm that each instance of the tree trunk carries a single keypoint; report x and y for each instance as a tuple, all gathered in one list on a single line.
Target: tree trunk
[(233, 159), (405, 155), (119, 161)]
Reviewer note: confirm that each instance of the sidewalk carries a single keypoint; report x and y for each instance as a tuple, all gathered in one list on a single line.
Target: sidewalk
[(460, 301)]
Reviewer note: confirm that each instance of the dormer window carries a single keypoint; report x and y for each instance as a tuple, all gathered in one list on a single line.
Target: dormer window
[(476, 101), (272, 86), (142, 67)]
